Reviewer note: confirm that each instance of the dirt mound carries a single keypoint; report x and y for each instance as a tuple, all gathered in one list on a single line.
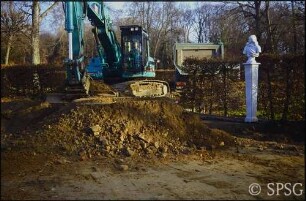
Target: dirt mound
[(130, 128), (19, 113), (98, 87)]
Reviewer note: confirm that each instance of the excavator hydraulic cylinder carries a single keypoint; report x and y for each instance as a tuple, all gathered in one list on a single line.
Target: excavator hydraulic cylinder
[(69, 27)]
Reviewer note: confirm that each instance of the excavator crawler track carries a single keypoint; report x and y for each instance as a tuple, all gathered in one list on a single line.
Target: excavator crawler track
[(143, 88)]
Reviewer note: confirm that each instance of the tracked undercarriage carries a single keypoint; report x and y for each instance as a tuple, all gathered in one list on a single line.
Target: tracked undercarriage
[(102, 93)]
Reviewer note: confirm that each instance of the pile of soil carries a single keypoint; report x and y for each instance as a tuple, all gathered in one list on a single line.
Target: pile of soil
[(99, 87), (17, 114), (134, 127)]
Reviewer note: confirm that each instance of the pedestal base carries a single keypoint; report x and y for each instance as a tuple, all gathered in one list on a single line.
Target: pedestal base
[(251, 119)]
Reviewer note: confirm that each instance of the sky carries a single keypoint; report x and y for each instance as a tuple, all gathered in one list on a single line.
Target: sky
[(116, 5)]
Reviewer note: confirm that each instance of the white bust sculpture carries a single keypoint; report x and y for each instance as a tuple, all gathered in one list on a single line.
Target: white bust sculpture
[(252, 49)]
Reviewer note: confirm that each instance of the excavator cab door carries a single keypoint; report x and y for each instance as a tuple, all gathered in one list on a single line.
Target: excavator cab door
[(134, 44)]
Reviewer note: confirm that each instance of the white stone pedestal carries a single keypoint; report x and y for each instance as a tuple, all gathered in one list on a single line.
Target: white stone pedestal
[(251, 86)]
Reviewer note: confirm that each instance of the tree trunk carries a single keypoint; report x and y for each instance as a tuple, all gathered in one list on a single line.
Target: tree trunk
[(270, 42), (143, 14), (288, 90), (224, 91), (187, 35), (272, 116), (35, 32), (211, 96), (194, 85), (158, 40), (294, 28), (257, 19), (8, 50)]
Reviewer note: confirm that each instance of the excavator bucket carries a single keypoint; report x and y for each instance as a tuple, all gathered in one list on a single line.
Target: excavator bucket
[(72, 92)]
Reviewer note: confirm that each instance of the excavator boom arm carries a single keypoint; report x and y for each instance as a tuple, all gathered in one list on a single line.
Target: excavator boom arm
[(107, 44)]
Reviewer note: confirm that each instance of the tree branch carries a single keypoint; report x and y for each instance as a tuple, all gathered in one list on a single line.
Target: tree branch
[(26, 12), (48, 9)]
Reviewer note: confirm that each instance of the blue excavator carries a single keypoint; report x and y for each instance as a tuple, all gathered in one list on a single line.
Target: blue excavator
[(129, 61)]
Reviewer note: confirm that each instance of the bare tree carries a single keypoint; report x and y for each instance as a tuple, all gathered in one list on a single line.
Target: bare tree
[(158, 18), (270, 46), (13, 22), (37, 17), (204, 18), (186, 22), (251, 10), (166, 15), (201, 22)]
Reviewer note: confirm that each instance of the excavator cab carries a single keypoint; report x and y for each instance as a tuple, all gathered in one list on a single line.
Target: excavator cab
[(135, 52), (135, 60)]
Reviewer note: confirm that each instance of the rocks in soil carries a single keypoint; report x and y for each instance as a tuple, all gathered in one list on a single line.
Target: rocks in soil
[(95, 130), (127, 151), (103, 140), (278, 146), (122, 167), (185, 150), (156, 144), (94, 176), (61, 160), (144, 138), (292, 148), (83, 155), (119, 161), (163, 149), (94, 169), (131, 128), (260, 148), (164, 155)]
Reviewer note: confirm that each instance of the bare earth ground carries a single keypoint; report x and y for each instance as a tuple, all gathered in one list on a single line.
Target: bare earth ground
[(29, 171)]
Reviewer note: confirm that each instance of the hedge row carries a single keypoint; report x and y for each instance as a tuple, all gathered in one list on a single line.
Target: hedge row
[(29, 80), (217, 87)]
